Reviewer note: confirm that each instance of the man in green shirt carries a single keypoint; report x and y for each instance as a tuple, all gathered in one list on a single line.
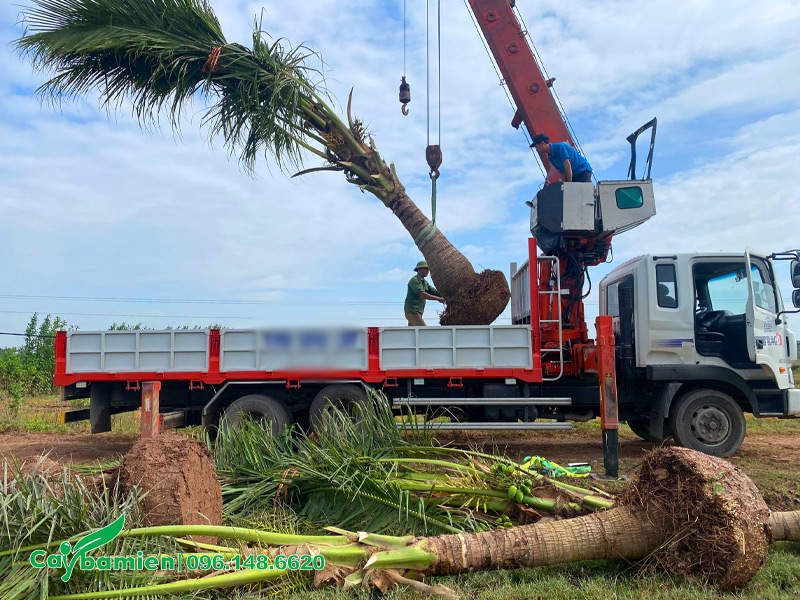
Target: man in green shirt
[(419, 290)]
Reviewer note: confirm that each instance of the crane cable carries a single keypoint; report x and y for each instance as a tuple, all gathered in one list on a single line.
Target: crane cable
[(561, 109), (433, 152), (502, 83)]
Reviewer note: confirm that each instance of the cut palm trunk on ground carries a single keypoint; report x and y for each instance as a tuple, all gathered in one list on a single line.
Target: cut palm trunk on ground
[(687, 513), (162, 54)]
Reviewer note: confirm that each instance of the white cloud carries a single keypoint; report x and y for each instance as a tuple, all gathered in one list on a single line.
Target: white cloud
[(392, 275), (748, 198), (94, 206)]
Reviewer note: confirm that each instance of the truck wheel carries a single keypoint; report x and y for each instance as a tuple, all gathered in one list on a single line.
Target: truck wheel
[(641, 427), (709, 421), (347, 398), (259, 408)]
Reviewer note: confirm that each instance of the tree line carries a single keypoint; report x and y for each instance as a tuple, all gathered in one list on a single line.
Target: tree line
[(28, 370)]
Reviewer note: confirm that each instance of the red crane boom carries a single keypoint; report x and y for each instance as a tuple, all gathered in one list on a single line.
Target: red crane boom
[(536, 106), (537, 109)]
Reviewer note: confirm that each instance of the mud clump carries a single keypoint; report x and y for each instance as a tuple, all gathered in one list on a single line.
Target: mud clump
[(481, 303), (180, 481), (716, 516)]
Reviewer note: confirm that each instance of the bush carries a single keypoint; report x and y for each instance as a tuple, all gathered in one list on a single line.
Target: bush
[(29, 370)]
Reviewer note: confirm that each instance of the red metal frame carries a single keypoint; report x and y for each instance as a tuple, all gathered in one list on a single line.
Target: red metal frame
[(580, 355), (373, 374), (61, 353), (606, 372), (151, 417), (368, 376), (536, 330)]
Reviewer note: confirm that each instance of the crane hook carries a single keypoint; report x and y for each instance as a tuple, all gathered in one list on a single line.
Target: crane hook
[(433, 155), (405, 95)]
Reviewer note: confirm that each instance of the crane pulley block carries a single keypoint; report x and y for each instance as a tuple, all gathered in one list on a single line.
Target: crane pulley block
[(433, 154)]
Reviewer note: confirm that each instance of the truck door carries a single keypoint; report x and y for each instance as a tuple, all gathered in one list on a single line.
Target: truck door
[(766, 341)]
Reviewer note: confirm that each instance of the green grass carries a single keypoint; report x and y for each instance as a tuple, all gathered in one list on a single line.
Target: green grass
[(40, 414), (771, 426), (600, 580)]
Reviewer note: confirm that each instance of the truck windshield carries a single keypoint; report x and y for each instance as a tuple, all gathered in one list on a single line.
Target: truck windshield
[(730, 291)]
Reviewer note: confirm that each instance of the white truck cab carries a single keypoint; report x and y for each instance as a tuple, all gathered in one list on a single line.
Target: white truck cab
[(701, 339)]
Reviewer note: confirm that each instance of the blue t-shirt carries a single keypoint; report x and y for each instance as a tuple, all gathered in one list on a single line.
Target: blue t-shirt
[(560, 151)]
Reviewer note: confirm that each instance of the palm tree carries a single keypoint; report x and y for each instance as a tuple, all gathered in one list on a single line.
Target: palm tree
[(688, 513), (162, 54)]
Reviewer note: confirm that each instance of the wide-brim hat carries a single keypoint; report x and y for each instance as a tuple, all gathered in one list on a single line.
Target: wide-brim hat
[(421, 265)]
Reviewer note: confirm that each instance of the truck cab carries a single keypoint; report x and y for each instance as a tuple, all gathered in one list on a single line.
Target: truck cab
[(701, 339)]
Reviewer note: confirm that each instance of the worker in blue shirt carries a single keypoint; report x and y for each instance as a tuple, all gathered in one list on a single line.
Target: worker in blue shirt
[(564, 158)]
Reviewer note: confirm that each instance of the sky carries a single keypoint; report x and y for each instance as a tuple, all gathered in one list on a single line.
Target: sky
[(103, 222)]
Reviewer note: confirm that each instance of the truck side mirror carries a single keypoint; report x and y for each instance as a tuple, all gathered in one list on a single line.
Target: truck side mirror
[(796, 298), (794, 266)]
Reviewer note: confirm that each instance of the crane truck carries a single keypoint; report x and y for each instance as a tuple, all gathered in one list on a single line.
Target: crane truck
[(686, 343)]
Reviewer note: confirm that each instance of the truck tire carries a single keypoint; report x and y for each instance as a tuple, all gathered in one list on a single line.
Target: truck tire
[(346, 397), (709, 421), (259, 408), (641, 427)]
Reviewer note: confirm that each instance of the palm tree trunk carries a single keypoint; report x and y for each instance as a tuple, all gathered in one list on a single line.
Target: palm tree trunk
[(693, 515), (472, 298), (785, 526), (618, 533), (451, 271)]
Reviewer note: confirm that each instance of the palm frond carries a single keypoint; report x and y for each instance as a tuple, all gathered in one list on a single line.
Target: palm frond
[(40, 506), (343, 474), (157, 56)]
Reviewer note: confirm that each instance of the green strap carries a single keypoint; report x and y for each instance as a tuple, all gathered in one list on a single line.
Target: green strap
[(432, 225)]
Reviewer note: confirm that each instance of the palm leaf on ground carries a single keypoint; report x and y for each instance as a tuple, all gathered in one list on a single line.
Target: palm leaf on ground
[(368, 476), (39, 505), (337, 475), (160, 55)]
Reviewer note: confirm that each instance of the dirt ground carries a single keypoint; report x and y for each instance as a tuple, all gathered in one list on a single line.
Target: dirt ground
[(66, 448), (569, 447), (580, 446)]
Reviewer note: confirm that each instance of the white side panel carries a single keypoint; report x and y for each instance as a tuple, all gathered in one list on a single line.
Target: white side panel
[(794, 403), (502, 346), (616, 217), (665, 335), (133, 351), (521, 293), (285, 349), (578, 207)]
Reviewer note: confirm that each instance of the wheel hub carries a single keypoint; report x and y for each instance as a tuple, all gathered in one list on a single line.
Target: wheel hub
[(710, 425)]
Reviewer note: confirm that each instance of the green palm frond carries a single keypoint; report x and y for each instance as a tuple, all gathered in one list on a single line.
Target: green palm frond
[(42, 507), (152, 53), (343, 475)]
